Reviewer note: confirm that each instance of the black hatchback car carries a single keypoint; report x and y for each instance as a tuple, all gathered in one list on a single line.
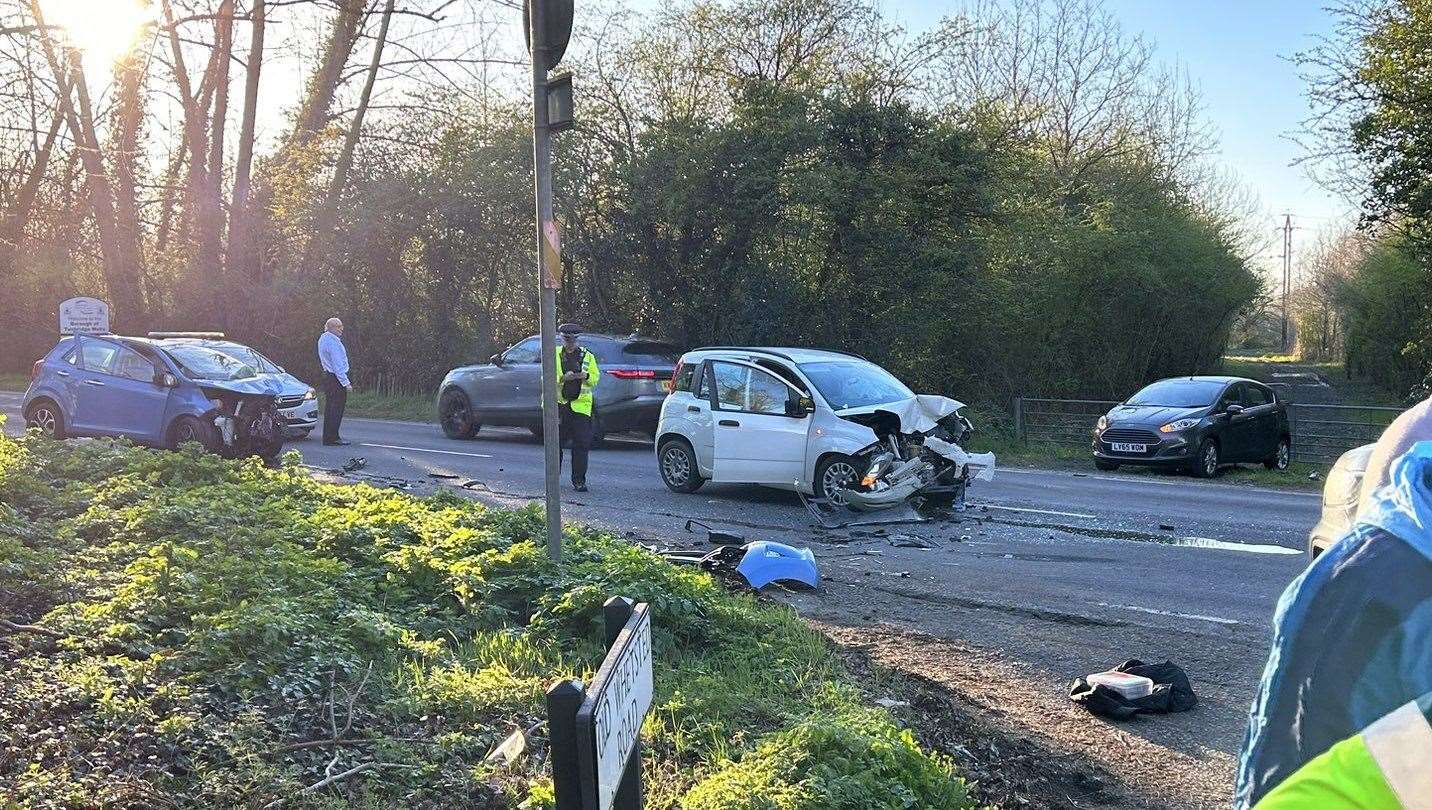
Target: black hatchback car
[(1200, 423)]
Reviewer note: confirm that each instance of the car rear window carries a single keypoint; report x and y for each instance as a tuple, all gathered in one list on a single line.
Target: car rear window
[(1178, 394), (647, 352)]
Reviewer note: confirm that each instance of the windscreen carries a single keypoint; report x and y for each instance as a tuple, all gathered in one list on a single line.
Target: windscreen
[(249, 357), (200, 363), (853, 384), (1178, 394)]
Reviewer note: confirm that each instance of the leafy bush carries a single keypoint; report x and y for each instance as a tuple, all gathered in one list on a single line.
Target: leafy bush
[(217, 621)]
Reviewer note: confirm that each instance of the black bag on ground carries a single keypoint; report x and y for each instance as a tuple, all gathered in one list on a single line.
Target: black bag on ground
[(1172, 692)]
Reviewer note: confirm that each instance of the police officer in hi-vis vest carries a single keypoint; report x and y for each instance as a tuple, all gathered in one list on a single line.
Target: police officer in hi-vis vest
[(577, 376)]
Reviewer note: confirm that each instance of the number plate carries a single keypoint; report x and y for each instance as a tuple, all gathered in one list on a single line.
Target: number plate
[(1120, 447)]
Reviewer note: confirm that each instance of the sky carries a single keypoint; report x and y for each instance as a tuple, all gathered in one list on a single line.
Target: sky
[(1237, 52)]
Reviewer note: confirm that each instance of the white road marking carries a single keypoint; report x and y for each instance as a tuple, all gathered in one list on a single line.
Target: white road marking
[(1256, 548), (1156, 612), (1127, 479), (1034, 511), (423, 450)]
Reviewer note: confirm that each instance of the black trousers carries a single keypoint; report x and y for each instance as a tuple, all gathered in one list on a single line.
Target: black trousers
[(577, 432), (335, 399)]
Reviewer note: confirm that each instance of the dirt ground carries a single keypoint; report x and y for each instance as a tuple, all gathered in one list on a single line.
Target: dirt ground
[(1023, 744)]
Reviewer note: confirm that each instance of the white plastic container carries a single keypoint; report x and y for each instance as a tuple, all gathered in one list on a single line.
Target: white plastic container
[(1131, 687)]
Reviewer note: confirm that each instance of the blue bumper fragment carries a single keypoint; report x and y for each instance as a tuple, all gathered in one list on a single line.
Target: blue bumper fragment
[(766, 562)]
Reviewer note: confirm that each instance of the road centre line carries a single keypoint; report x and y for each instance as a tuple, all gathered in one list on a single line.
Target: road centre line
[(1156, 612), (424, 450)]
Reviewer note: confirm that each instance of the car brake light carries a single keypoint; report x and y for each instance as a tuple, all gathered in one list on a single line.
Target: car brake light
[(632, 373), (35, 370)]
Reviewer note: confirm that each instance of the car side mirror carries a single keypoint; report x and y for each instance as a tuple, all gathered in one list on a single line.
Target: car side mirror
[(166, 380), (1233, 409), (800, 407), (496, 360)]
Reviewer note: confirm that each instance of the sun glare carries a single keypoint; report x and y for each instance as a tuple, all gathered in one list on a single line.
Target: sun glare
[(103, 30)]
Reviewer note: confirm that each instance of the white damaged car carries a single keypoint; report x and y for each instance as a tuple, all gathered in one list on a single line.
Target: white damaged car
[(826, 424)]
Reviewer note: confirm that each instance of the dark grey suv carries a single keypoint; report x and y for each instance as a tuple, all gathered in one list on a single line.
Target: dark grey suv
[(1201, 423), (508, 389)]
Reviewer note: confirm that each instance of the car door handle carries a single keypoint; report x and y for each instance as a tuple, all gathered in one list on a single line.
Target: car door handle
[(693, 409), (63, 373), (94, 382), (730, 423)]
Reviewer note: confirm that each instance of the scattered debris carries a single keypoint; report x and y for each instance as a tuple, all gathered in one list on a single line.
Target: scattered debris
[(891, 703), (831, 516), (716, 537), (1314, 475), (1168, 527), (354, 464), (513, 746), (910, 541), (443, 475)]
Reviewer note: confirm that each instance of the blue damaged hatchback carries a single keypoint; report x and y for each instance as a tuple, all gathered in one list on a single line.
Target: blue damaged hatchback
[(155, 393)]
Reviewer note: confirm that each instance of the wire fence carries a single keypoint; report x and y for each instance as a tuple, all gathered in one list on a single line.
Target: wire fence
[(1320, 433)]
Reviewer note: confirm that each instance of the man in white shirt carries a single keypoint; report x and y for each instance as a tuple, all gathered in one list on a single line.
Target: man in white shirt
[(334, 359)]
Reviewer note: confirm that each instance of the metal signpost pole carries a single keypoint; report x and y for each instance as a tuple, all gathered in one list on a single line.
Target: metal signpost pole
[(546, 276)]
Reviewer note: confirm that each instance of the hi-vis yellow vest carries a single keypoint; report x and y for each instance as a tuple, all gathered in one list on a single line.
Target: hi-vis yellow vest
[(1388, 766), (583, 403)]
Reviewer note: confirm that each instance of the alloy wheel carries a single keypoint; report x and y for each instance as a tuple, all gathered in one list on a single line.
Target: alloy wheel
[(1210, 460), (838, 475), (44, 418), (1284, 455), (676, 466)]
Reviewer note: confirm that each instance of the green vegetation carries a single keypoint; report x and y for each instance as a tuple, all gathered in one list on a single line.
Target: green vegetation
[(11, 381), (1368, 296), (185, 627), (390, 405), (1025, 208)]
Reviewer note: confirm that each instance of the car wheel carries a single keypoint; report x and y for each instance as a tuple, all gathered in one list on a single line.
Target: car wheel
[(191, 429), (678, 467), (455, 415), (1207, 463), (1106, 466), (1281, 457), (834, 473), (46, 416)]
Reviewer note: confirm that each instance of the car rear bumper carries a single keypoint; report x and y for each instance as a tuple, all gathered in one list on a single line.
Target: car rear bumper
[(638, 413)]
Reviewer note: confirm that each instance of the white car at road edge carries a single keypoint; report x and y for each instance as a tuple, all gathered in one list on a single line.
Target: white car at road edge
[(823, 423)]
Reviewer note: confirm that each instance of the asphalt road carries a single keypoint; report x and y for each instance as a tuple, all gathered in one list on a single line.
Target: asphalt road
[(1056, 573)]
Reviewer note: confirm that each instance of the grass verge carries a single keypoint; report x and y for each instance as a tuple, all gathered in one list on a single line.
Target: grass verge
[(14, 381), (375, 405), (193, 632)]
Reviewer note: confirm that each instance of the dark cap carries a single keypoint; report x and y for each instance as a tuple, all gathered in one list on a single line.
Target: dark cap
[(570, 329)]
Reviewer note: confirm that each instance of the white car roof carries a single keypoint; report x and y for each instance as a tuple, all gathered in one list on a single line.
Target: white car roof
[(794, 355)]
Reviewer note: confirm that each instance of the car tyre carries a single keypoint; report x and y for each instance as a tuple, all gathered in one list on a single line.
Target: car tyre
[(46, 415), (1281, 457), (1105, 465), (835, 472), (1207, 463), (191, 429), (455, 415), (677, 462)]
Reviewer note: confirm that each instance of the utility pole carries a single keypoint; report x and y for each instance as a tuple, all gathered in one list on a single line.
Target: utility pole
[(549, 25), (1287, 272)]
